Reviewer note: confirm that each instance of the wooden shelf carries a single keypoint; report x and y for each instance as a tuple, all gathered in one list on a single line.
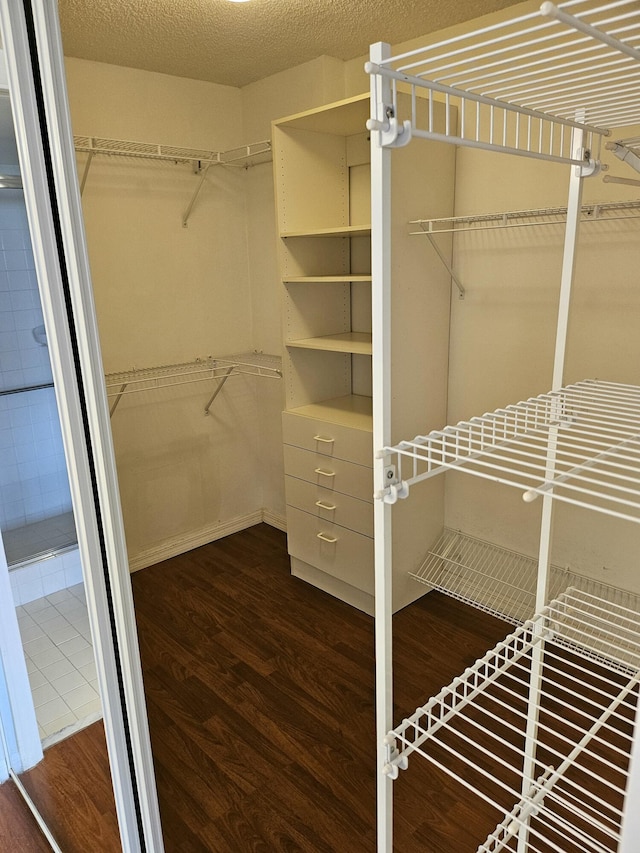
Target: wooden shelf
[(352, 410), (326, 279), (358, 343), (341, 231)]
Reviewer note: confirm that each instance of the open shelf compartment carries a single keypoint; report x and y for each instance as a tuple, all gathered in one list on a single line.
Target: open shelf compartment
[(587, 652)]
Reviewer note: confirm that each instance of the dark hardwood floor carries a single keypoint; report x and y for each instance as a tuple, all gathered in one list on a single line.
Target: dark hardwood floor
[(260, 698)]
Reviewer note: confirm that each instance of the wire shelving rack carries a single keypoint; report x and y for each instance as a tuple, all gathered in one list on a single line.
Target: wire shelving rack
[(542, 727)]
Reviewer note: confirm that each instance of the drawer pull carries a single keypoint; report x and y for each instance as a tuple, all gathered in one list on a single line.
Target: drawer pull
[(325, 538), (325, 473), (323, 505), (324, 439)]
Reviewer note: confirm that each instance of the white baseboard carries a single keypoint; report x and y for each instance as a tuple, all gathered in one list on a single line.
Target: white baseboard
[(277, 521), (195, 539)]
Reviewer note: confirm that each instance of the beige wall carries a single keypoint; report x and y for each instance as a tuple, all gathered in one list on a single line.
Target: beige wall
[(167, 294), (503, 336)]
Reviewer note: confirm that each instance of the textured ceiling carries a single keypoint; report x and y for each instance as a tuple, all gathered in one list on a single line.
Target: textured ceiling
[(238, 43)]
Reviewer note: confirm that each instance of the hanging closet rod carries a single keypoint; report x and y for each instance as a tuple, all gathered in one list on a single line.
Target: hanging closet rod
[(169, 376), (597, 211)]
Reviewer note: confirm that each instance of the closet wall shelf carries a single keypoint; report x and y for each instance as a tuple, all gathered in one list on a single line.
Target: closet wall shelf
[(358, 343), (592, 426), (595, 212), (201, 370), (326, 279), (342, 231), (199, 159), (353, 410), (586, 707), (500, 581)]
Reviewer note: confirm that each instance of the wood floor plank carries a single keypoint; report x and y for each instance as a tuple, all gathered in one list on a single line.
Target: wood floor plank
[(260, 694), (298, 679)]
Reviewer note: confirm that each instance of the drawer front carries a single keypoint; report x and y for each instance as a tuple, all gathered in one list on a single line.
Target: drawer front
[(334, 440), (334, 475), (330, 506), (331, 548)]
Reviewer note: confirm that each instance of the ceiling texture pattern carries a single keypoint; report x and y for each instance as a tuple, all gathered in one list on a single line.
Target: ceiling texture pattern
[(237, 43)]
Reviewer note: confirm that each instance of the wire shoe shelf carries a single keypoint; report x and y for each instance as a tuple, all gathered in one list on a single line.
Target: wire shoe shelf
[(500, 581), (475, 728)]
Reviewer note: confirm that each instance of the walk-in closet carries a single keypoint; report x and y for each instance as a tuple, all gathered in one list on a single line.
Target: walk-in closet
[(319, 418)]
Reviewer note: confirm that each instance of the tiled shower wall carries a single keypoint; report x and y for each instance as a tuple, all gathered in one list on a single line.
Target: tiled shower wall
[(33, 476)]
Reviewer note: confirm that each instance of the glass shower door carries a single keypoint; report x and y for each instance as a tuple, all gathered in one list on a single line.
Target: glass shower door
[(36, 516)]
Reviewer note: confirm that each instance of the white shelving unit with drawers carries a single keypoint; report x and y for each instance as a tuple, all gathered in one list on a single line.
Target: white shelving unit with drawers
[(322, 178)]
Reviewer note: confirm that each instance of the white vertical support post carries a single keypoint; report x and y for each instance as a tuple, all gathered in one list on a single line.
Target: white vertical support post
[(630, 829), (546, 525), (381, 328)]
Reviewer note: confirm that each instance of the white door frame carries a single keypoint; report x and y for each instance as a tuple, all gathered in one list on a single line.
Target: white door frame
[(31, 38)]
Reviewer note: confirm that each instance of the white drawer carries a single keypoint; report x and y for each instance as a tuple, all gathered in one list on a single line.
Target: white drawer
[(334, 475), (335, 440), (330, 506), (331, 548)]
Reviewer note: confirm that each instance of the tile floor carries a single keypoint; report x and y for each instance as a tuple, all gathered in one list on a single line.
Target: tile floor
[(57, 646)]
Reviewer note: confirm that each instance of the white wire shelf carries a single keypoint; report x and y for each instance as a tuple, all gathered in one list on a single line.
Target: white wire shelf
[(171, 153), (499, 581), (200, 370), (200, 160), (580, 445), (520, 86), (597, 212), (475, 729)]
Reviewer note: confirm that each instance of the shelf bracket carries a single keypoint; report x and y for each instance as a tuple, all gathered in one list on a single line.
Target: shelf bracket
[(85, 172), (395, 762), (624, 153), (391, 133), (394, 489), (219, 388), (447, 265), (203, 174), (123, 388)]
